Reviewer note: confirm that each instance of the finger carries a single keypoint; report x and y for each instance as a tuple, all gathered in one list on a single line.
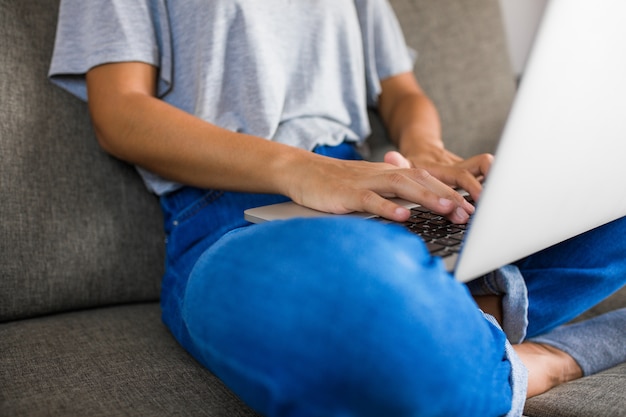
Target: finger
[(461, 209), (467, 175), (420, 186), (477, 168), (371, 202), (397, 159), (373, 196), (459, 178), (478, 165)]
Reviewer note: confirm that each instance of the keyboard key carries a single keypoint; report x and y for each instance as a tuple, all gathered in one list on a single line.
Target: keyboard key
[(441, 236)]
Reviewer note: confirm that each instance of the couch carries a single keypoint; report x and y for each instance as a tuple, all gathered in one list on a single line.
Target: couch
[(81, 241)]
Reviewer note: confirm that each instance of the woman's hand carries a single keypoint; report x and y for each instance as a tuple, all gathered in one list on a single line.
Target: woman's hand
[(338, 186), (414, 126), (449, 168)]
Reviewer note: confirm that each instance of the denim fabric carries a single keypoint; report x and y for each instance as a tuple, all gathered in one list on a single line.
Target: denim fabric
[(343, 317), (509, 283), (518, 378), (194, 219), (596, 344), (553, 286), (567, 279)]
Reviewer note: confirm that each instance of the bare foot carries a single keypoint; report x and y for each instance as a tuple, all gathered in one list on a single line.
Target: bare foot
[(547, 367)]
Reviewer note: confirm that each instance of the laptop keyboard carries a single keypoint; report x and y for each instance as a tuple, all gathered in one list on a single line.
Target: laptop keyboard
[(442, 237)]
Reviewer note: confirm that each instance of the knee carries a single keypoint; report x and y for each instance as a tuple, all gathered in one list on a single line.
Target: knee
[(323, 247), (333, 313), (312, 269)]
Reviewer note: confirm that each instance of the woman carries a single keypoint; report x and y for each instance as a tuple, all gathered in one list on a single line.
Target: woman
[(229, 104)]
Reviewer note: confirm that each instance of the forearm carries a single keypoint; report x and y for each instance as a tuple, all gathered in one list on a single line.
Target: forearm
[(167, 141), (414, 124), (409, 115), (134, 125)]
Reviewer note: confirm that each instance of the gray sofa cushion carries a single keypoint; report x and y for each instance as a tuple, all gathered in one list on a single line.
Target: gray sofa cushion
[(118, 361), (78, 229), (121, 361)]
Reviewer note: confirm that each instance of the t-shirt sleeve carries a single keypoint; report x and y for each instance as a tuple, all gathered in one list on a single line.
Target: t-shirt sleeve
[(385, 48), (92, 33)]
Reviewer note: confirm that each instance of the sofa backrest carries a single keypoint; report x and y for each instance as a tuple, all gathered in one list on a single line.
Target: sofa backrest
[(77, 228)]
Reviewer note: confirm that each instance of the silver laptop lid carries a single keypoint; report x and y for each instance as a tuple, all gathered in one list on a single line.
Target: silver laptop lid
[(560, 167)]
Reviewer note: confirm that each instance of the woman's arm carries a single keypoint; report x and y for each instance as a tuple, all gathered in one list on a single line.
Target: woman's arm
[(410, 116), (133, 125)]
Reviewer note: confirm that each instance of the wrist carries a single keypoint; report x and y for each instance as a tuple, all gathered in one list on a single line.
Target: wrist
[(288, 169), (412, 145)]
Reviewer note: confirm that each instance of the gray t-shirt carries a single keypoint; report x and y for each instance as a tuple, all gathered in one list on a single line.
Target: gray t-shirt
[(300, 72)]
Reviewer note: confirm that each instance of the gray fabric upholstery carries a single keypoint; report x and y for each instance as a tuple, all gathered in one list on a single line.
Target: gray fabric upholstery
[(121, 361), (118, 361), (77, 229)]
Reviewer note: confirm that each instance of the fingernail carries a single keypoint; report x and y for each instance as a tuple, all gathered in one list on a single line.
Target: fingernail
[(401, 211), (462, 214), (445, 202)]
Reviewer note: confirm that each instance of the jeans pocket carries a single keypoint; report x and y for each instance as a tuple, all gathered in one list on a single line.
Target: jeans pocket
[(189, 222), (187, 207)]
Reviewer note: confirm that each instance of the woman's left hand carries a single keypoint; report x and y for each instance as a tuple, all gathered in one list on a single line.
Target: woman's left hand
[(467, 174)]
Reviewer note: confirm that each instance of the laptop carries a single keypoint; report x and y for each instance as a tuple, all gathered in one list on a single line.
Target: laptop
[(560, 166)]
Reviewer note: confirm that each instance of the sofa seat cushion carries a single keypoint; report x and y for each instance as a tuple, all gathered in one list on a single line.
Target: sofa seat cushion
[(122, 361), (117, 361)]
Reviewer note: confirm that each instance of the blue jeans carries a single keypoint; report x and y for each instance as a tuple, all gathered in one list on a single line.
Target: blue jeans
[(347, 317)]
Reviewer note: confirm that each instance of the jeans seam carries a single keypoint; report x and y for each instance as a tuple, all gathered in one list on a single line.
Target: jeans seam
[(196, 207)]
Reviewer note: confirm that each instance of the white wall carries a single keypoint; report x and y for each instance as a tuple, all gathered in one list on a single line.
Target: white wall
[(521, 18)]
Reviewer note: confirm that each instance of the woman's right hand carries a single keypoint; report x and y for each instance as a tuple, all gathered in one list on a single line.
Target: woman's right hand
[(338, 186)]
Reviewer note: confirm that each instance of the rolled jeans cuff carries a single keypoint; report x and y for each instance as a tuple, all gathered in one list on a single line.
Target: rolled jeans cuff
[(509, 283), (518, 378)]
